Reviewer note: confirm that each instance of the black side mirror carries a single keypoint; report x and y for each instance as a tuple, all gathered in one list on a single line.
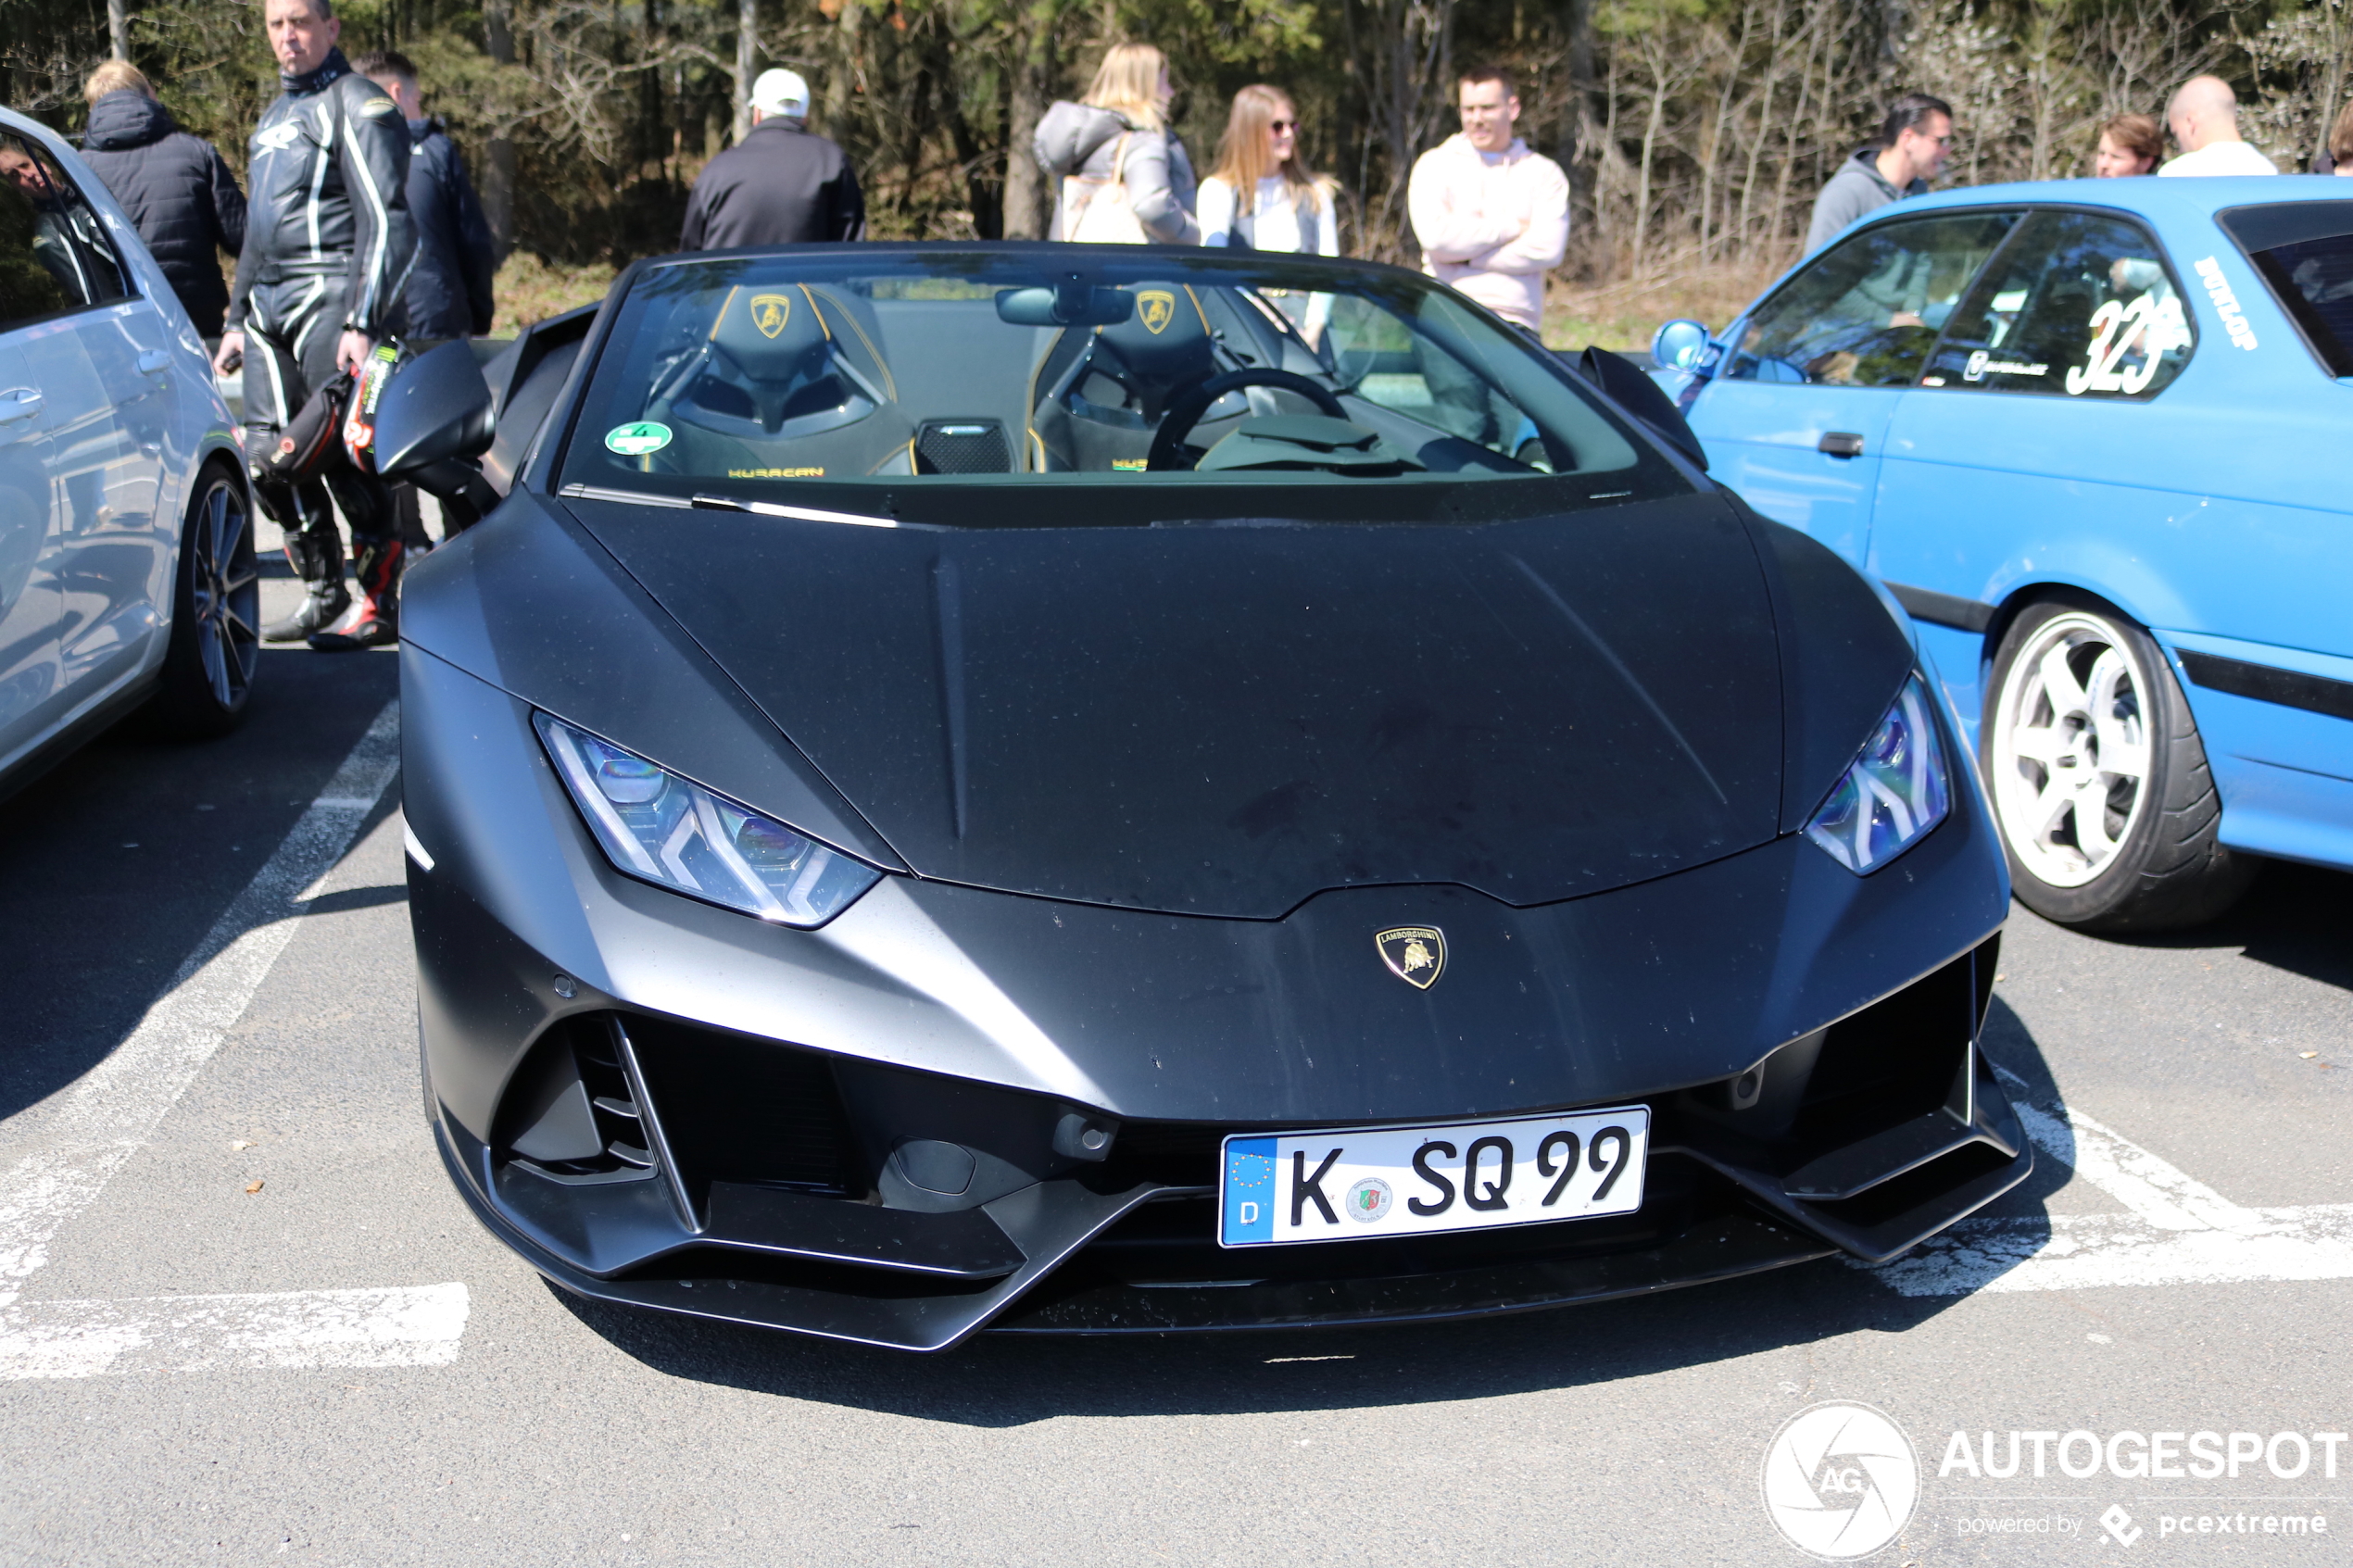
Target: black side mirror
[(1632, 389), (436, 407), (435, 418)]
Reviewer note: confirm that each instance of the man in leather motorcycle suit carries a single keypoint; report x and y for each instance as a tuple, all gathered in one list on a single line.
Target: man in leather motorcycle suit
[(328, 247)]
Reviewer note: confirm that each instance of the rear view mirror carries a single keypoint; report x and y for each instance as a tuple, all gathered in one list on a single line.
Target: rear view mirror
[(436, 407), (1071, 304), (1680, 345)]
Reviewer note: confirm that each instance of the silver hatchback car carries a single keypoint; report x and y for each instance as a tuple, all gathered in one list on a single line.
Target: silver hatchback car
[(127, 571)]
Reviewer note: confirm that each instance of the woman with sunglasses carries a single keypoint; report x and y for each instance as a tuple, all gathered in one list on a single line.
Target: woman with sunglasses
[(1261, 197)]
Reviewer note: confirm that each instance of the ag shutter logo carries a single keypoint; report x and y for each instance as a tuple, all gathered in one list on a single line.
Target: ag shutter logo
[(1840, 1480), (2119, 1524)]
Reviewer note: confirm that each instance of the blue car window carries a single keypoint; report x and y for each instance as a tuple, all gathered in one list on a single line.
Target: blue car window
[(1866, 313), (2304, 252), (54, 255), (2079, 304)]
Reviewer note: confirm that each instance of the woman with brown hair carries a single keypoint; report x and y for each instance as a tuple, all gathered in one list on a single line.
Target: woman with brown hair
[(1125, 178), (1261, 197), (2130, 143)]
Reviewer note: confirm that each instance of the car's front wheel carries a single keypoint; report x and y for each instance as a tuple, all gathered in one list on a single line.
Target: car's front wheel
[(2108, 808), (207, 673)]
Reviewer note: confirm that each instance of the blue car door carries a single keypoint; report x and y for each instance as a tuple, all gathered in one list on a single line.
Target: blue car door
[(2039, 440), (1796, 417)]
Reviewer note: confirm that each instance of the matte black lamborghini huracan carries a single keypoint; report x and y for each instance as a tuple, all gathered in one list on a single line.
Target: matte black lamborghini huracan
[(1096, 790)]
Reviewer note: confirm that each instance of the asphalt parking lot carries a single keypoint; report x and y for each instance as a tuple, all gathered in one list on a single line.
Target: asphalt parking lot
[(243, 1316)]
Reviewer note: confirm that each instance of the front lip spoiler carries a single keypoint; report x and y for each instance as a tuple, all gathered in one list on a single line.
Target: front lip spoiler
[(1724, 1248), (1052, 1220)]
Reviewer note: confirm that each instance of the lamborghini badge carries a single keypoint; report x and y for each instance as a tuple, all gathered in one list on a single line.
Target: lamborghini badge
[(770, 312), (1416, 954), (1157, 307)]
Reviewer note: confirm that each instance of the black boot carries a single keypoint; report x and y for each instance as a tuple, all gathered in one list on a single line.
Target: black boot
[(315, 555), (374, 620)]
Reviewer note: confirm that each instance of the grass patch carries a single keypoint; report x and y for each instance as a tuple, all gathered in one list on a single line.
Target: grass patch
[(1623, 315), (529, 289)]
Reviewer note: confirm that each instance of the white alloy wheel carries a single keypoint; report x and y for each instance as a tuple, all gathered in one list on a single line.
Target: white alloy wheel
[(2071, 748)]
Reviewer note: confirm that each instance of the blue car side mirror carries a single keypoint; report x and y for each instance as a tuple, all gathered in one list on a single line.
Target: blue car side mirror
[(1680, 345)]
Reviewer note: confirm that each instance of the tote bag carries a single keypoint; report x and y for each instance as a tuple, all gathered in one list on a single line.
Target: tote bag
[(1097, 211)]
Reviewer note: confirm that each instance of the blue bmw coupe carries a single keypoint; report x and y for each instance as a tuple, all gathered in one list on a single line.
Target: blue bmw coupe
[(2096, 436)]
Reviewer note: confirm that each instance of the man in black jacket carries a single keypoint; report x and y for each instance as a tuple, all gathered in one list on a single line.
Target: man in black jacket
[(449, 286), (173, 187), (328, 244), (780, 185)]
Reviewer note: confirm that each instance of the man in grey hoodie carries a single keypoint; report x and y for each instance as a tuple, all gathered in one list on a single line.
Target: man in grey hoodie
[(1912, 146), (1079, 138)]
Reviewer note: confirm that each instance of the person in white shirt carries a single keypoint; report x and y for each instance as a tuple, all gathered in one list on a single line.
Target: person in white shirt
[(2204, 116), (1492, 216), (1287, 208)]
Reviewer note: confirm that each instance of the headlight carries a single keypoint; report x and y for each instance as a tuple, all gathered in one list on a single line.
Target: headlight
[(1895, 792), (657, 826)]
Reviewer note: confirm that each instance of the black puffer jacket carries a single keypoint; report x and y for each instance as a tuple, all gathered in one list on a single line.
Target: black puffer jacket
[(449, 286), (178, 194)]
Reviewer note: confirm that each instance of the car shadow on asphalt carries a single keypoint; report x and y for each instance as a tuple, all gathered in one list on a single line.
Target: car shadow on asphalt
[(1012, 1380), (2293, 918), (118, 862)]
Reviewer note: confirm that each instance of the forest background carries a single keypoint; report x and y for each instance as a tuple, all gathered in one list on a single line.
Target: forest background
[(1695, 131)]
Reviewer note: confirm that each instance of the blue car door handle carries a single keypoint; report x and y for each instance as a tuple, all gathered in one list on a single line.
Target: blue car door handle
[(153, 361), (19, 403), (1840, 444)]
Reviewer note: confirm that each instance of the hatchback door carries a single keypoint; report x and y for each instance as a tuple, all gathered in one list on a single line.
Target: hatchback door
[(28, 599), (103, 371), (1796, 418)]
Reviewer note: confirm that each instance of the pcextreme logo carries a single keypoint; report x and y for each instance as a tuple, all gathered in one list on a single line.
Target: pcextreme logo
[(1840, 1480)]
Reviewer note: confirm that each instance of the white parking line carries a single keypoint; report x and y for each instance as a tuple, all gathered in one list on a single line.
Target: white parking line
[(2179, 1231), (82, 1137), (406, 1325)]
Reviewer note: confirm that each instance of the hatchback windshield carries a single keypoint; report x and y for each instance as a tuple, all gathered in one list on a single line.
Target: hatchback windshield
[(759, 375)]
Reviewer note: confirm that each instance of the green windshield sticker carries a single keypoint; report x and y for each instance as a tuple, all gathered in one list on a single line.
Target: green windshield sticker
[(636, 440)]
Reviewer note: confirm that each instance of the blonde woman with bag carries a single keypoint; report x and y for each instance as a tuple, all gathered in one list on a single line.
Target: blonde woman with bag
[(1123, 177), (1261, 197)]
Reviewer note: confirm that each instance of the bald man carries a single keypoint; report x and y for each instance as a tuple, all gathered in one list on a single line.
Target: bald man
[(2204, 116)]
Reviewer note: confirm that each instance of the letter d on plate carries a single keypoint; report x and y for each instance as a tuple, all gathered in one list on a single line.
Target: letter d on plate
[(1249, 1211)]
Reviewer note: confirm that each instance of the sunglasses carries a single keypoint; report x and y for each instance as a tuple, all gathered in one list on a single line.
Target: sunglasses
[(1279, 126)]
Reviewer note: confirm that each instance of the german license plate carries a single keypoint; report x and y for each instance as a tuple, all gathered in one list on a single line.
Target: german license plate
[(1350, 1183)]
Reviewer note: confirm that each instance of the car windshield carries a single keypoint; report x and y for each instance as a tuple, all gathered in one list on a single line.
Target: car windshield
[(901, 370)]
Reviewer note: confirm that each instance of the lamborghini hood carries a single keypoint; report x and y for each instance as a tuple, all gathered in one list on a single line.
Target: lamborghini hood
[(1228, 718)]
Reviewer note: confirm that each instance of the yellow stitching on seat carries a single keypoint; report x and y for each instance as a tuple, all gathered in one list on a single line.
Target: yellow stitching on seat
[(814, 312), (1197, 309), (890, 386)]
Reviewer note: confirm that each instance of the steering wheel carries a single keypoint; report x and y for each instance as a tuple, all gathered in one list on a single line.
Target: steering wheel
[(1187, 407)]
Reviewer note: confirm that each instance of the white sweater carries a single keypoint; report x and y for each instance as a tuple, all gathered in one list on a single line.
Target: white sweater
[(1491, 224), (1274, 217)]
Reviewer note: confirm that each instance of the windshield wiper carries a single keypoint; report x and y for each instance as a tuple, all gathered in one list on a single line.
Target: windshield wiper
[(805, 514)]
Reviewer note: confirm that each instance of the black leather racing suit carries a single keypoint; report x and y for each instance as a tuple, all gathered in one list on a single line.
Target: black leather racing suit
[(328, 247)]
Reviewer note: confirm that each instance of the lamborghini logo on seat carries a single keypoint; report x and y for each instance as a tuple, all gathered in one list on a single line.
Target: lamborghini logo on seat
[(1157, 307), (770, 312), (1416, 954)]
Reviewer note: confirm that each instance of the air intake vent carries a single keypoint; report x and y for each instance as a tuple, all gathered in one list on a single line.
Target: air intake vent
[(962, 446), (572, 1116)]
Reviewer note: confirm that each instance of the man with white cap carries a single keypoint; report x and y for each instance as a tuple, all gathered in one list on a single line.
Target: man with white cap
[(781, 185)]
